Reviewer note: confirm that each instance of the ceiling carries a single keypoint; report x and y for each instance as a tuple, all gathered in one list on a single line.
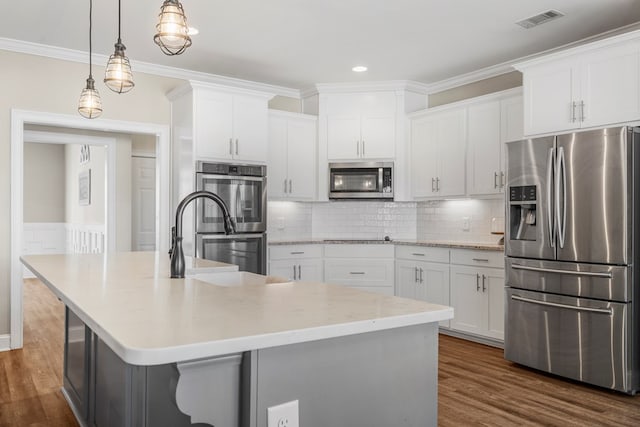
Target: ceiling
[(296, 43)]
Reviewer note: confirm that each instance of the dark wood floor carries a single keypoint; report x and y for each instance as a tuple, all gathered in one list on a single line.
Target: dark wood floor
[(30, 378), (476, 385)]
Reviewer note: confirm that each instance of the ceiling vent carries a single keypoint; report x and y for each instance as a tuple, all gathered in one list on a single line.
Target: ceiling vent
[(540, 18)]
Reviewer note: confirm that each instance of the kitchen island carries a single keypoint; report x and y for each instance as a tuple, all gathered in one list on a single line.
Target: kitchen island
[(161, 351)]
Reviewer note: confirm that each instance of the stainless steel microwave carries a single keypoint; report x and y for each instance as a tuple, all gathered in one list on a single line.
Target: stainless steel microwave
[(361, 180)]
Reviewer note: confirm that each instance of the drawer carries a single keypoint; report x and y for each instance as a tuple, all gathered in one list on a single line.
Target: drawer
[(295, 251), (351, 272), (380, 250), (477, 258), (423, 253)]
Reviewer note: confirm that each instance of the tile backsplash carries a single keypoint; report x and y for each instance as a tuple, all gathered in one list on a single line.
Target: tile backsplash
[(448, 220), (436, 220), (364, 220)]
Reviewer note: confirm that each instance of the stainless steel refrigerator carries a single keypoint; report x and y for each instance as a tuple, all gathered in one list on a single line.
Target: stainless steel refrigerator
[(571, 242)]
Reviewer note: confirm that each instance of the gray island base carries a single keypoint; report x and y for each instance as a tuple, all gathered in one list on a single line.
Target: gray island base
[(376, 379), (221, 348)]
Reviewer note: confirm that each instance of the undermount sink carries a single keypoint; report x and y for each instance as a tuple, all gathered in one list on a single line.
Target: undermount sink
[(238, 278)]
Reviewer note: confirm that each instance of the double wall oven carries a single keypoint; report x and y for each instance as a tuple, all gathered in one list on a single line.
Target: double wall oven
[(244, 190)]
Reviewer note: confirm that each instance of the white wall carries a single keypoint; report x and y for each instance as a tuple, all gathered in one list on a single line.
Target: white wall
[(44, 183), (94, 213)]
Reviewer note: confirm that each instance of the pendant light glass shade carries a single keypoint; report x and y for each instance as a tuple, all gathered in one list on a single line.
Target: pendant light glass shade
[(118, 76), (90, 104), (172, 31)]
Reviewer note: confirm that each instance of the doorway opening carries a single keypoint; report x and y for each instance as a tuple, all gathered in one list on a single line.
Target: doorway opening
[(23, 122)]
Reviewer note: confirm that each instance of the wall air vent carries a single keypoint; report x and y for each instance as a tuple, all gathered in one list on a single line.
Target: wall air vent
[(540, 18)]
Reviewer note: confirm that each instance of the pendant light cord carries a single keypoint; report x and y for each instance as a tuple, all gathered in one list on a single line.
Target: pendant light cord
[(90, 27), (119, 41)]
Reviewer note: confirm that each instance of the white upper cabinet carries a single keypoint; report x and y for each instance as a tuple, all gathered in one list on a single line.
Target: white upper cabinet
[(438, 144), (484, 172), (223, 124), (589, 86), (361, 126), (291, 161), (490, 124)]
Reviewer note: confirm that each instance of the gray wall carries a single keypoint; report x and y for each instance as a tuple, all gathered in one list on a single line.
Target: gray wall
[(479, 88), (44, 183)]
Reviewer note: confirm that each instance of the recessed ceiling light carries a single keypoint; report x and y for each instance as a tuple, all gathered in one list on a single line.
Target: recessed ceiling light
[(193, 31), (359, 69)]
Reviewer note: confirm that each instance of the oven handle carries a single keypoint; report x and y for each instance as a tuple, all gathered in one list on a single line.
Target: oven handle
[(554, 270), (231, 236), (231, 177), (570, 307)]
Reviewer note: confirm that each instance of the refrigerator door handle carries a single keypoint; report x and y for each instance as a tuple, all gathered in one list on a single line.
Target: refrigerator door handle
[(561, 220), (570, 307), (551, 166), (555, 270)]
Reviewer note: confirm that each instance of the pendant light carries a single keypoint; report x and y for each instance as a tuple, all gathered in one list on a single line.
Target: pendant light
[(172, 31), (90, 105), (118, 76)]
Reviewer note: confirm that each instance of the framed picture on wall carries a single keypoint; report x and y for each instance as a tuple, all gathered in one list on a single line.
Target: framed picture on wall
[(84, 187)]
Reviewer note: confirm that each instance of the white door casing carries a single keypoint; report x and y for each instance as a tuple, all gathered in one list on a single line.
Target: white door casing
[(18, 120)]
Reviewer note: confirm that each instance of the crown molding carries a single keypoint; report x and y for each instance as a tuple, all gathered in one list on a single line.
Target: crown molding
[(608, 37), (71, 55), (632, 32), (372, 86)]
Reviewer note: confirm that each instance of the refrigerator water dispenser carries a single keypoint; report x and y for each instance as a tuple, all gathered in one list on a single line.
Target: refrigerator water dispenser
[(522, 206)]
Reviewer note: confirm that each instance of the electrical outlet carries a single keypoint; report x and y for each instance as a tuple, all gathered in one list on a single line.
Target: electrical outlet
[(466, 223), (280, 223), (284, 415)]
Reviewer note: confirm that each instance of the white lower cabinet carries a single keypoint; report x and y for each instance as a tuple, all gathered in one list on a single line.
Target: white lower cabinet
[(364, 267), (296, 262), (477, 298), (423, 273)]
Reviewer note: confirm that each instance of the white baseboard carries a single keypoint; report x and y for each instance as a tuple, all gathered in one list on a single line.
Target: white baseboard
[(5, 342)]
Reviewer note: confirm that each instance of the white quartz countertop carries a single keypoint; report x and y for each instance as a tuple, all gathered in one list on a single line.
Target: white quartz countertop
[(147, 318)]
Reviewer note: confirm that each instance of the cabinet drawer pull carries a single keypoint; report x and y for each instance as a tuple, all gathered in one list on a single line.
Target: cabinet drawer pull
[(297, 253), (418, 254), (416, 277), (484, 288), (477, 282), (236, 146), (299, 272), (495, 180), (294, 272), (356, 272), (285, 185), (231, 146), (480, 259)]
